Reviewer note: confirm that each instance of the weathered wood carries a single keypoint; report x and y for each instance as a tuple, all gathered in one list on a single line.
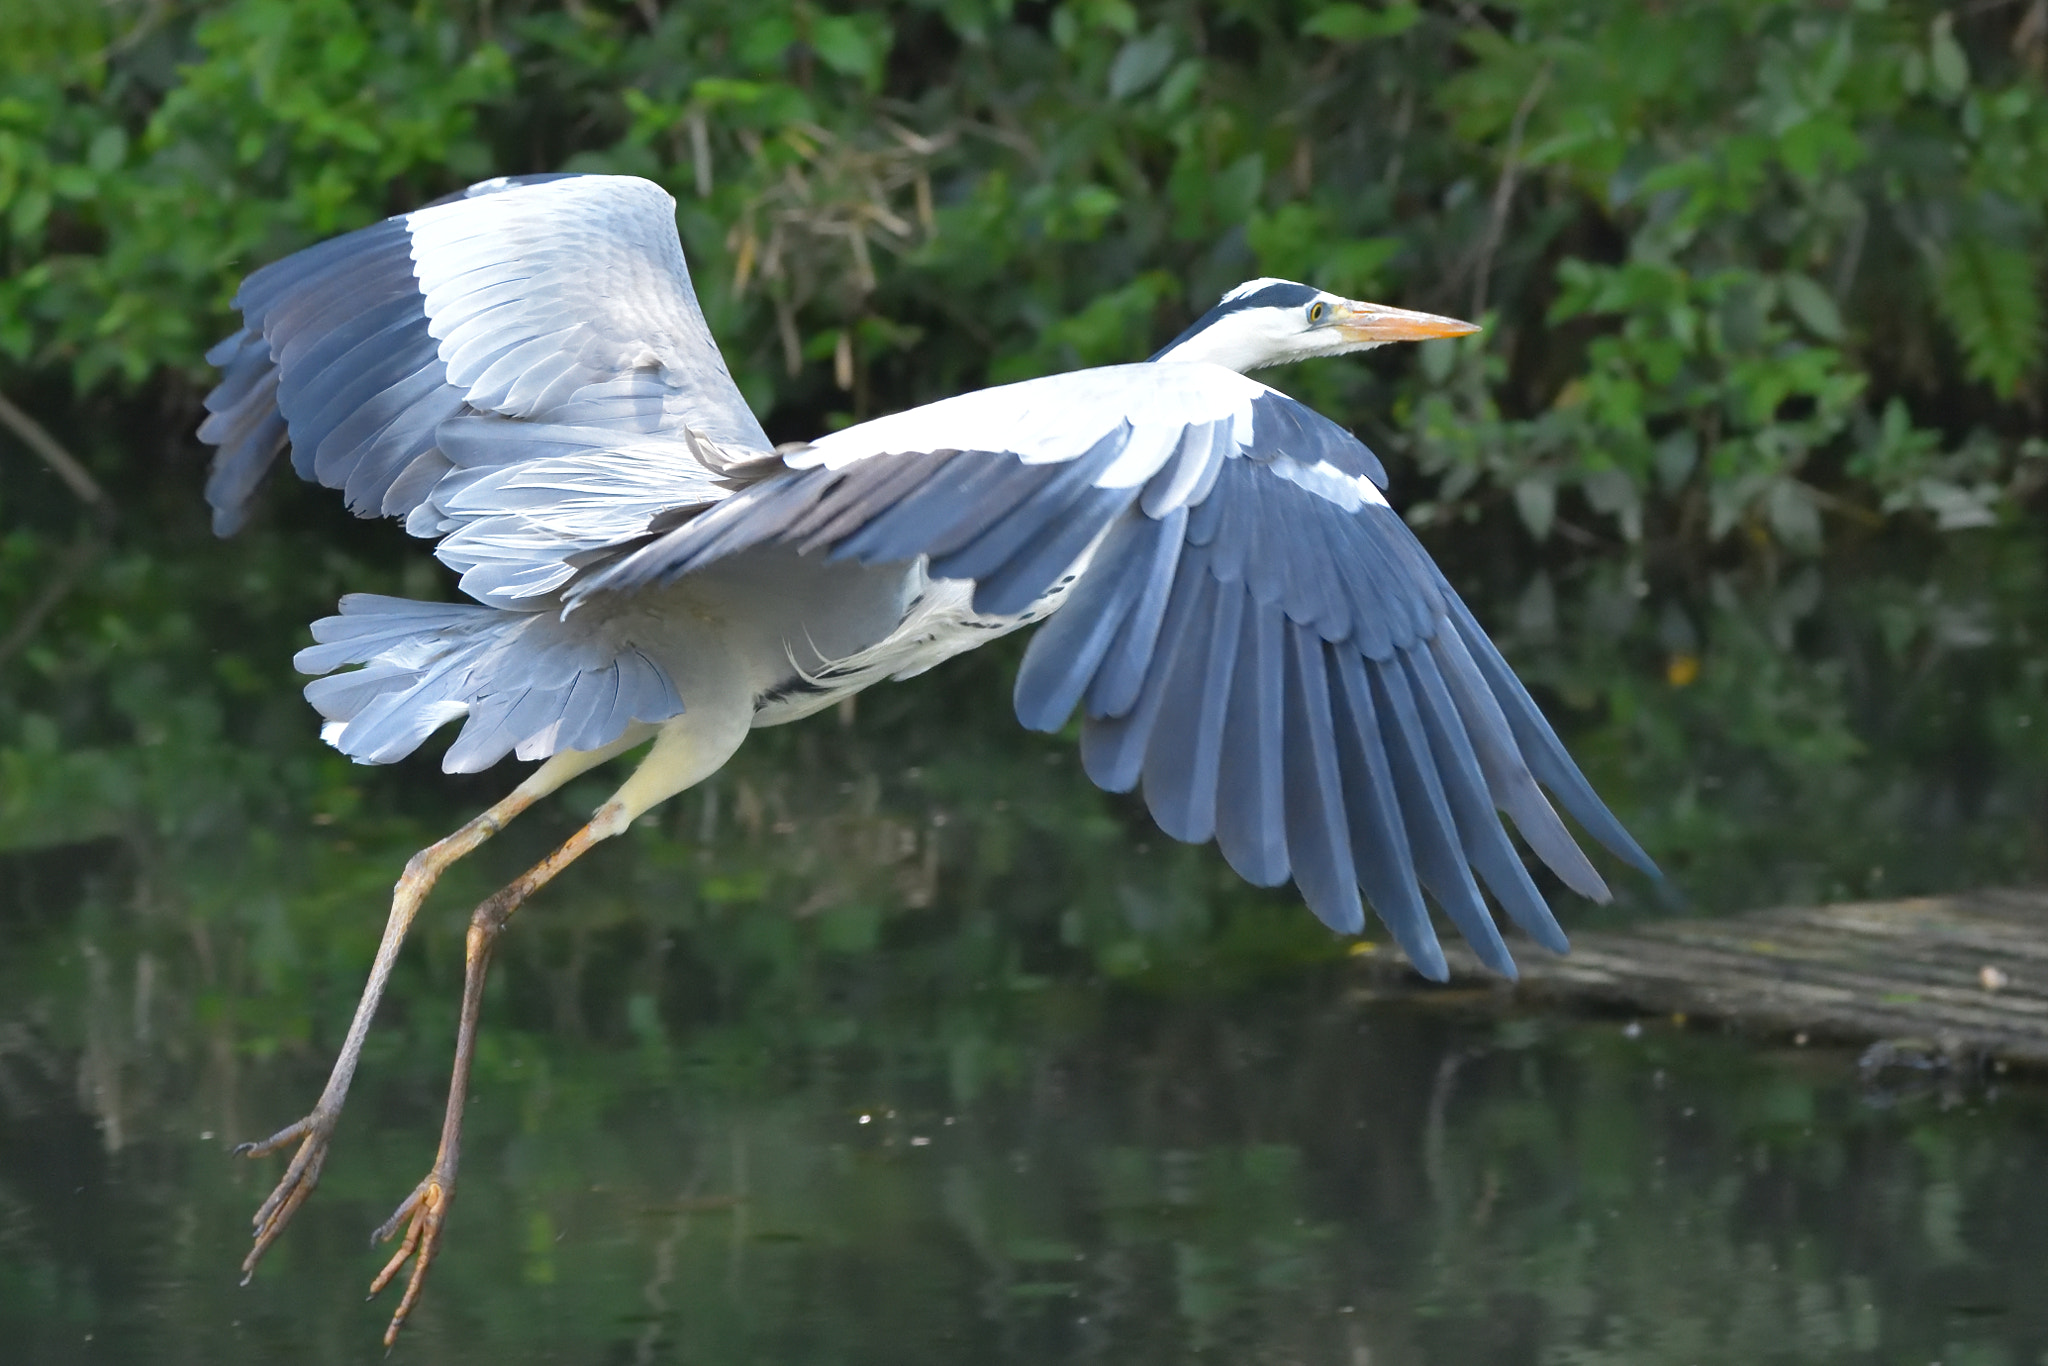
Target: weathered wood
[(1962, 974)]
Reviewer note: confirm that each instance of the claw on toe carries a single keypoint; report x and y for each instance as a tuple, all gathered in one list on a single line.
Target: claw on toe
[(263, 1147), (427, 1209), (298, 1181)]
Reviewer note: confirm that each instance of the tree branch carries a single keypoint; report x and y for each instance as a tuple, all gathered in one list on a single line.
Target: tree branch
[(91, 538), (1504, 192), (69, 570), (66, 466)]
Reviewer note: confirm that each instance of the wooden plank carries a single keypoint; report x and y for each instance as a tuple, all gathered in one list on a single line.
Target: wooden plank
[(1962, 974)]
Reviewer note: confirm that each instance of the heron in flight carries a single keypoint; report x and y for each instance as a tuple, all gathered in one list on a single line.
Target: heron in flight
[(1250, 634)]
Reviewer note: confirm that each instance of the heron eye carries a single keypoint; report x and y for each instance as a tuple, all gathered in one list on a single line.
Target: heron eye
[(1315, 313)]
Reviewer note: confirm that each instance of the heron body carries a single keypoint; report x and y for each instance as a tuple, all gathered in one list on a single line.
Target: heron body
[(1249, 633)]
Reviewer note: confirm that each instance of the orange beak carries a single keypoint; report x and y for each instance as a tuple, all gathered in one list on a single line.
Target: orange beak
[(1376, 323)]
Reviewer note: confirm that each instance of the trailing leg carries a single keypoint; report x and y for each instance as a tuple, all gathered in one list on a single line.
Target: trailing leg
[(682, 756), (314, 1132)]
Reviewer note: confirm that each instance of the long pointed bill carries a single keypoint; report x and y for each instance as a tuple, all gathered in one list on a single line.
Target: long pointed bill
[(1377, 323)]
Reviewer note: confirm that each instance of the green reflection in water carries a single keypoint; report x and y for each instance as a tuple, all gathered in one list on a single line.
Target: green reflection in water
[(1295, 1176), (1176, 1127)]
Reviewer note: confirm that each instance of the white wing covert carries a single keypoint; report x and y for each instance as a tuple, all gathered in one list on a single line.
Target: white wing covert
[(1255, 637)]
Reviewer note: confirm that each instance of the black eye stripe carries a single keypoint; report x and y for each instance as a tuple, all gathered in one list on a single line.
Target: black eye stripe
[(1283, 295)]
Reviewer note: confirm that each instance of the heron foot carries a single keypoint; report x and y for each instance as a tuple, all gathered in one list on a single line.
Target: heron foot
[(424, 1213), (312, 1134)]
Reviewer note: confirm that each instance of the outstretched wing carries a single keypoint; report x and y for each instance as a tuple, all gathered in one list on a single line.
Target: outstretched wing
[(1254, 637), (548, 301)]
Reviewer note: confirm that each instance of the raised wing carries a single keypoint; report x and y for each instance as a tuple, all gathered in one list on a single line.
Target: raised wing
[(1254, 636), (560, 300)]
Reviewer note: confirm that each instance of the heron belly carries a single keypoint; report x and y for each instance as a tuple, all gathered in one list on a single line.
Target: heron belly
[(938, 623)]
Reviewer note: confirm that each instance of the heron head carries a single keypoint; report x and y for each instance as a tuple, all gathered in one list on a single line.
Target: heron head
[(1271, 322)]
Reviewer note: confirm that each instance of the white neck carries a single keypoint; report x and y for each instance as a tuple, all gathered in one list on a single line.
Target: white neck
[(1240, 341)]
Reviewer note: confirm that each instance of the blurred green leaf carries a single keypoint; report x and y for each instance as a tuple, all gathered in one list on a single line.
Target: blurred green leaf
[(1813, 306), (1354, 23), (1140, 62), (851, 45), (1951, 68), (1990, 294)]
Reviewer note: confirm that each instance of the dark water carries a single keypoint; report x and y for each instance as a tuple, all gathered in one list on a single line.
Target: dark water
[(902, 1044), (1300, 1176)]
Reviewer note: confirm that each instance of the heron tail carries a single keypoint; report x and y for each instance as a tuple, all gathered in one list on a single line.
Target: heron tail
[(528, 683)]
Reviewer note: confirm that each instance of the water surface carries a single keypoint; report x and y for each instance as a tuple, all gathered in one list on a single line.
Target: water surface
[(900, 1043)]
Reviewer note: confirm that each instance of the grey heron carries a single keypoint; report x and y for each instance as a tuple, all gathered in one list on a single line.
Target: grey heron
[(1250, 633)]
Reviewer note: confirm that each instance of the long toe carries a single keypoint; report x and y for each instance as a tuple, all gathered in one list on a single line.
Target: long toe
[(290, 1133), (424, 1214), (300, 1177)]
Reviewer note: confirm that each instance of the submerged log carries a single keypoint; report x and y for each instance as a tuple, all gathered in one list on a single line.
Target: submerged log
[(1960, 975)]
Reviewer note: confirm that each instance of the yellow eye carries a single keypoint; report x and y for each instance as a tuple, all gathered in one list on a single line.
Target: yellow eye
[(1315, 313)]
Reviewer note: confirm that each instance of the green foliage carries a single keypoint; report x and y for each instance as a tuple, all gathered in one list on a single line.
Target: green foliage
[(1989, 295), (1740, 264), (1714, 244), (139, 178), (1805, 202)]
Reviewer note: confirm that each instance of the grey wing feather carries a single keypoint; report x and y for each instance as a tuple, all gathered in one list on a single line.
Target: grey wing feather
[(1251, 824), (537, 294), (1335, 623), (1473, 804), (1381, 847), (1317, 815), (1538, 745), (1256, 638), (1101, 642), (244, 423), (1192, 705), (972, 501), (559, 300), (1440, 863), (524, 503)]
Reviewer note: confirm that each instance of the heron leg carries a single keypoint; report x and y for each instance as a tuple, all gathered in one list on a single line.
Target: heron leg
[(678, 760), (313, 1132)]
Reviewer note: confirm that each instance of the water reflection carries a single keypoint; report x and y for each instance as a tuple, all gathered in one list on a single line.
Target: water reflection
[(1298, 1176), (899, 1042)]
